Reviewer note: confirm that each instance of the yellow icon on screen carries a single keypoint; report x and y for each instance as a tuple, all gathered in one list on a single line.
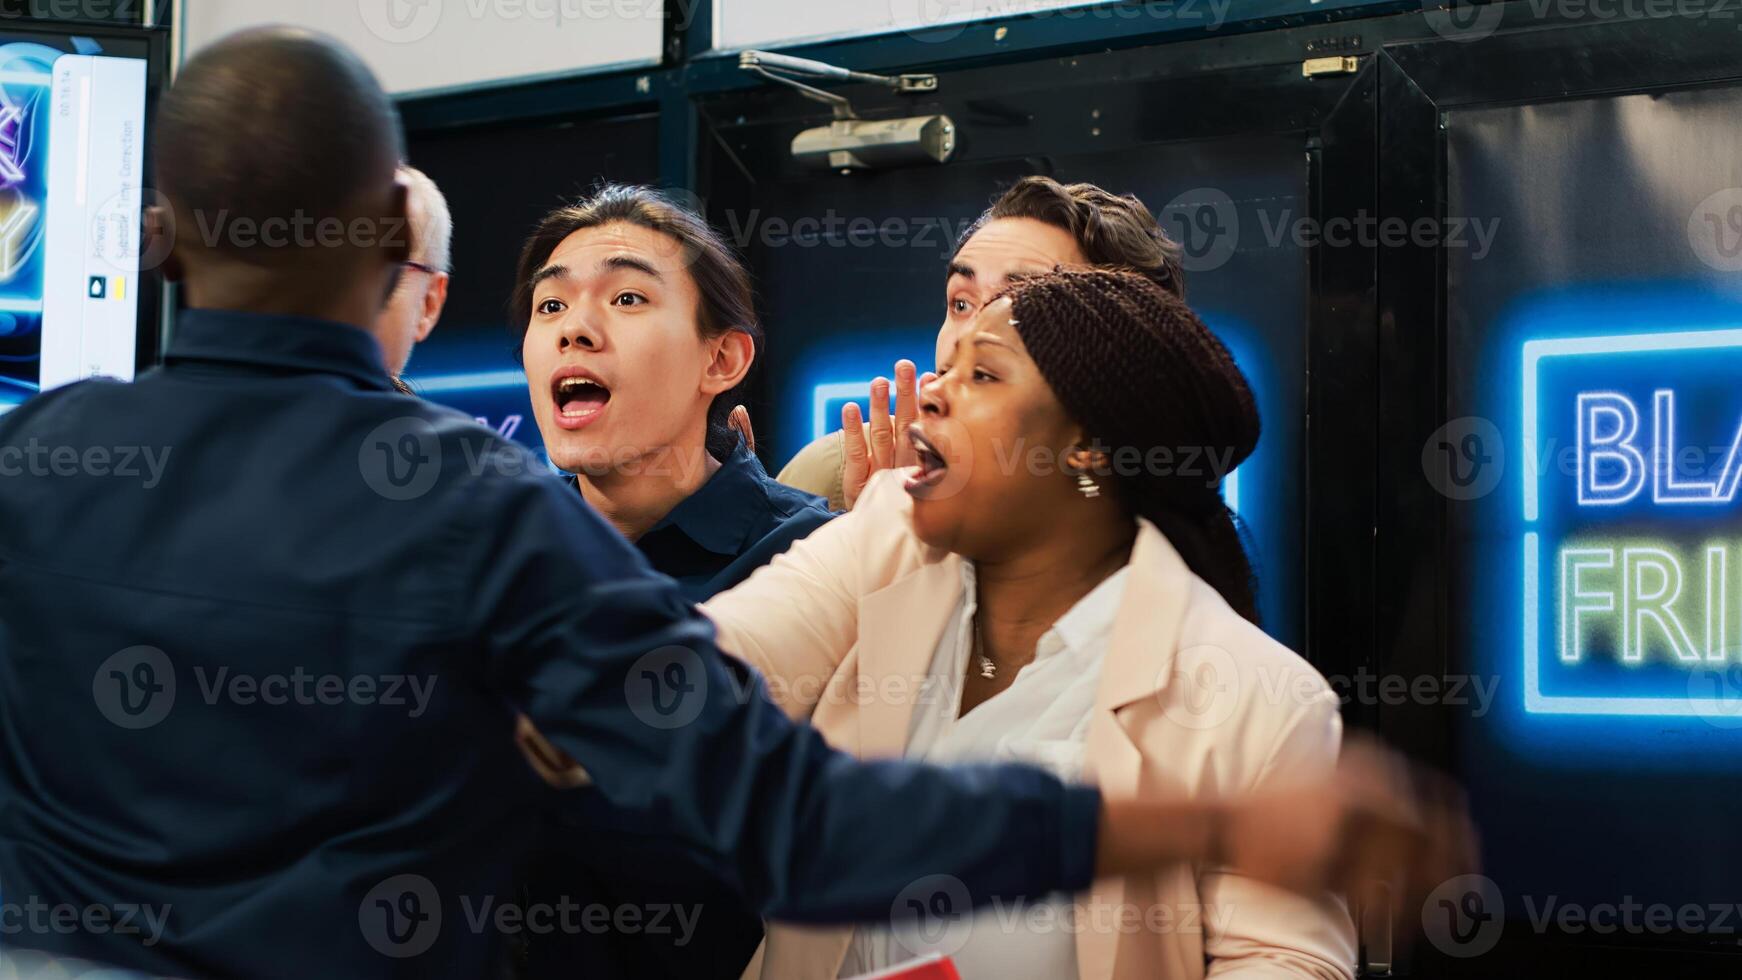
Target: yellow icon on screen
[(108, 287)]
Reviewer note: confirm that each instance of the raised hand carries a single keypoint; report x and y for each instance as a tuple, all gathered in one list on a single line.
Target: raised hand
[(883, 443)]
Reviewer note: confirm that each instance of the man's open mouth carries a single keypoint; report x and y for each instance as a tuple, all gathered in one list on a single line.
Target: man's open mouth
[(579, 399), (932, 464)]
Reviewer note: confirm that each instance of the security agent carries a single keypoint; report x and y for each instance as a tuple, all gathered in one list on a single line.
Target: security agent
[(313, 521)]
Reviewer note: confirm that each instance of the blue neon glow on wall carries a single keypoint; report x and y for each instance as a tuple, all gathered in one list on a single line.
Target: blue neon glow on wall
[(827, 400), (475, 381), (1260, 374), (471, 371), (1259, 490), (825, 376)]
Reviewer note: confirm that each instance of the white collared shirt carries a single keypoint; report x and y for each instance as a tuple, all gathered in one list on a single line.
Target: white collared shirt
[(1042, 718)]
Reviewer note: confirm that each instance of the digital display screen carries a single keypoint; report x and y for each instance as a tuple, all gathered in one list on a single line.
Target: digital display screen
[(72, 148)]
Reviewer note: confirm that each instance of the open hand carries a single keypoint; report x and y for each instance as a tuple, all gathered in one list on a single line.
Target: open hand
[(883, 443)]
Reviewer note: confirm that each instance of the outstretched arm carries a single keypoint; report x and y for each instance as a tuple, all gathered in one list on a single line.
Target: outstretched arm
[(622, 675)]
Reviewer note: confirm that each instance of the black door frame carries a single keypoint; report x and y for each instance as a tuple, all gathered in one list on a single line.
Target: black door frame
[(1510, 56)]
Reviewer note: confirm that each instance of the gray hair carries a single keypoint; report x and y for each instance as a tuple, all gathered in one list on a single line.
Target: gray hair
[(432, 224)]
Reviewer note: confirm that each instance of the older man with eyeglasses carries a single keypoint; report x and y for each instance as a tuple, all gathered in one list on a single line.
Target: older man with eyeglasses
[(417, 301)]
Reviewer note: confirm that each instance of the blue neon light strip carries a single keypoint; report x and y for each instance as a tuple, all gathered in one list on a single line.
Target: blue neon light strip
[(825, 393), (1533, 699), (475, 381)]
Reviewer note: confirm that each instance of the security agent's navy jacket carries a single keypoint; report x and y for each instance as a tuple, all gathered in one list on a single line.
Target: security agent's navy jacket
[(735, 523), (293, 810)]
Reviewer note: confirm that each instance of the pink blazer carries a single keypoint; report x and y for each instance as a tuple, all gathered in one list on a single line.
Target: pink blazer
[(1194, 701)]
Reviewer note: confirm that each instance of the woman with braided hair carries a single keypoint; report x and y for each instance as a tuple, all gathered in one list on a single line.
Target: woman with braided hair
[(1059, 581)]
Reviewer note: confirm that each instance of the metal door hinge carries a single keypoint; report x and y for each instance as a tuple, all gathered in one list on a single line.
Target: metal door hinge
[(1342, 64)]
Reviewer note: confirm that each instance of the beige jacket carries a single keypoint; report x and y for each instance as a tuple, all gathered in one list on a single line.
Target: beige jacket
[(1194, 701), (820, 468)]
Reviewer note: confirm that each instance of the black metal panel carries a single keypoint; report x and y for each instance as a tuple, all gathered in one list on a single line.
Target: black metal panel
[(581, 97), (1520, 59), (1030, 38), (1171, 93), (1342, 435), (1409, 608), (1419, 81), (501, 180), (1531, 57)]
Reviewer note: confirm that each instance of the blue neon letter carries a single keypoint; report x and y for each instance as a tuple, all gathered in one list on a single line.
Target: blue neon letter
[(1665, 487), (1608, 426)]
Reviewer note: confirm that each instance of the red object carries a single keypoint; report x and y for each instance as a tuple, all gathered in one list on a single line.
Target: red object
[(931, 968)]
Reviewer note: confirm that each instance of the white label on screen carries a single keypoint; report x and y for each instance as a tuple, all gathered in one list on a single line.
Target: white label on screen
[(90, 307)]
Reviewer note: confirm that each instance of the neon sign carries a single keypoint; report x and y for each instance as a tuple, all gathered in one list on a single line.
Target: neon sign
[(1613, 469), (1628, 536)]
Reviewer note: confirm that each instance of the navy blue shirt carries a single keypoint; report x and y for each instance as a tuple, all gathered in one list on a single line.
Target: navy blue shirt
[(735, 523), (265, 625)]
